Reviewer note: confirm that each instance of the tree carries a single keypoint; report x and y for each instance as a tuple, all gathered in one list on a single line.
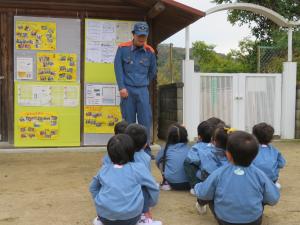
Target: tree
[(262, 28), (236, 61), (164, 68)]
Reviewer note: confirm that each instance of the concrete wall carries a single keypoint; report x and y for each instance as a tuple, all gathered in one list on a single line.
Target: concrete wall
[(170, 107)]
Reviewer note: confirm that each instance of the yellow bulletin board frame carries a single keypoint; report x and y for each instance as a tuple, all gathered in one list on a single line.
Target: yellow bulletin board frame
[(99, 73), (68, 120)]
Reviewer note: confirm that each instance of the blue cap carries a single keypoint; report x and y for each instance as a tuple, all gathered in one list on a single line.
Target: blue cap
[(141, 28)]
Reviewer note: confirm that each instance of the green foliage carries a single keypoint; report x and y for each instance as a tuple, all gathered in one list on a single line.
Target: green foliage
[(262, 28), (266, 32), (236, 61), (207, 60), (164, 67)]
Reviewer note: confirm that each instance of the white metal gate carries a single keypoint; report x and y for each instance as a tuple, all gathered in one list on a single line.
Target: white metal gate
[(241, 100)]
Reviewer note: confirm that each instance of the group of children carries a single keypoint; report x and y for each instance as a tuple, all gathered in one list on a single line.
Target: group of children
[(233, 172)]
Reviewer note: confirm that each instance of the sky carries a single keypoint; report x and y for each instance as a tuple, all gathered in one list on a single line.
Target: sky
[(213, 29)]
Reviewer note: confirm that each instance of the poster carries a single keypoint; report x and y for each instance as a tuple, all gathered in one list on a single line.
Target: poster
[(66, 96), (101, 94), (101, 44), (35, 35), (34, 95), (108, 52), (101, 30), (71, 96), (93, 52), (48, 95), (38, 125), (101, 119), (24, 68), (123, 32), (56, 67)]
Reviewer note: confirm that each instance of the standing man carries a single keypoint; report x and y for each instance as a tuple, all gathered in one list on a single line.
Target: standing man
[(135, 68)]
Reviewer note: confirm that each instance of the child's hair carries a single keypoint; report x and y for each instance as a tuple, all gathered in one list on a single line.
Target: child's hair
[(176, 134), (120, 149), (263, 132), (121, 127), (138, 133), (215, 122), (205, 131), (243, 148), (220, 137)]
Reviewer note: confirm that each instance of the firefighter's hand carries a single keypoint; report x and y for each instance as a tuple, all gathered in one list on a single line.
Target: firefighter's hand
[(124, 93)]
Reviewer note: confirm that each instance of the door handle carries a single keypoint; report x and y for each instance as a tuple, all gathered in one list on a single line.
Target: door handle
[(2, 77)]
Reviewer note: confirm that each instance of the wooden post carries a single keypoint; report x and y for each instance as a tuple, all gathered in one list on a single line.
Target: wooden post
[(6, 64)]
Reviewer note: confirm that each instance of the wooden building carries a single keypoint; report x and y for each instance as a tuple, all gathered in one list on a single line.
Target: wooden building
[(165, 17)]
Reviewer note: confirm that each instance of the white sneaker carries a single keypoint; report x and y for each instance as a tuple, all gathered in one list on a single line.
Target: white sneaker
[(157, 184), (97, 221), (278, 185), (146, 220), (192, 191), (165, 187), (201, 209)]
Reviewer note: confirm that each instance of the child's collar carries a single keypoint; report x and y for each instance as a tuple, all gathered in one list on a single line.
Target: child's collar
[(116, 166)]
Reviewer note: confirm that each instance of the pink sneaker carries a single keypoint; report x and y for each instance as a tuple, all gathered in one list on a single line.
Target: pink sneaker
[(146, 219), (165, 186)]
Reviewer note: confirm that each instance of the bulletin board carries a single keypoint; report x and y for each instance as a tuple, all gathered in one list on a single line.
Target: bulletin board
[(101, 95), (101, 42), (47, 81), (47, 114)]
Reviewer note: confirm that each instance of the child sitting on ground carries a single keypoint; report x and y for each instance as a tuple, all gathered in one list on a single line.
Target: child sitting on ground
[(117, 188), (191, 161), (170, 159), (138, 133), (268, 159), (191, 164), (238, 191), (119, 128), (213, 159)]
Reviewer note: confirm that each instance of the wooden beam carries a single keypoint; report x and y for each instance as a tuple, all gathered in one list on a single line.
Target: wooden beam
[(75, 14), (157, 9), (68, 6), (141, 3)]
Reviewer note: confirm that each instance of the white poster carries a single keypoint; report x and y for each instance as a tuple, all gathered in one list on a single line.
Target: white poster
[(24, 68), (97, 94), (44, 95), (93, 31), (33, 95), (123, 31), (71, 96), (41, 95), (108, 33), (108, 52), (93, 51), (101, 43)]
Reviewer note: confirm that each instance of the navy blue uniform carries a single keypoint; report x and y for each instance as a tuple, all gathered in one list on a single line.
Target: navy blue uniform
[(135, 68)]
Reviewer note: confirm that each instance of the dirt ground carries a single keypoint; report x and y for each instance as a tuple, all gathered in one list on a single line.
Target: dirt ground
[(52, 189)]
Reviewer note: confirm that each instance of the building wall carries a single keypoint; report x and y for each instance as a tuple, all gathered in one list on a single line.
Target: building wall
[(170, 107)]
